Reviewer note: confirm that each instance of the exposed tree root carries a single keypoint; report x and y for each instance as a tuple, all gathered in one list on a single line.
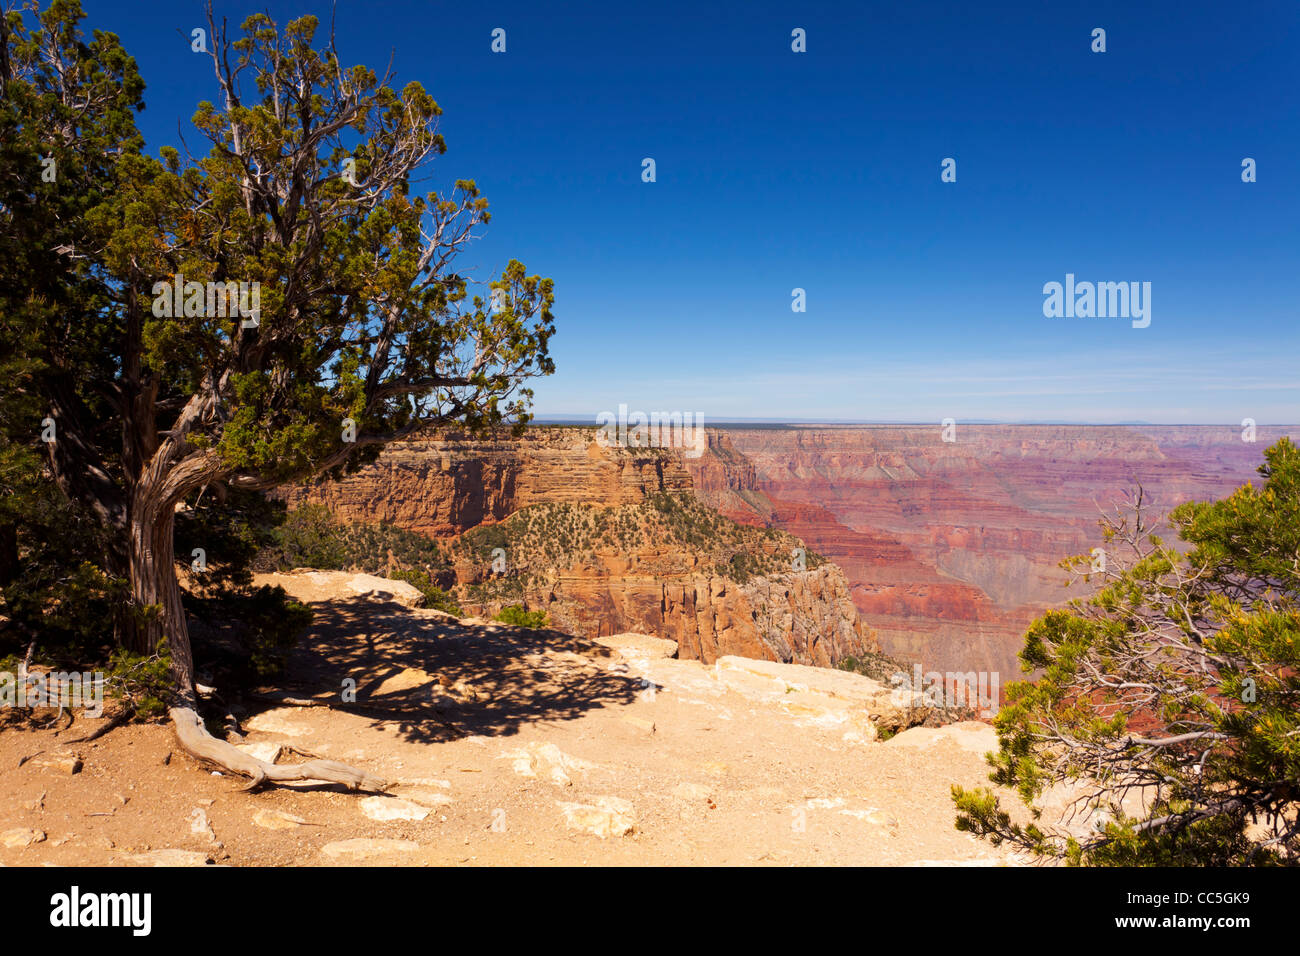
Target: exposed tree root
[(117, 720), (284, 700), (200, 744)]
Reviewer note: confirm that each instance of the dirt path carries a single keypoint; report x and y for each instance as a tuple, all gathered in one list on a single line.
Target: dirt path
[(507, 746)]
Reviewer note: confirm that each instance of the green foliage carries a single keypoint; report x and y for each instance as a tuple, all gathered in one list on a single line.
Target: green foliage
[(742, 567), (879, 667), (554, 535), (311, 537), (677, 528), (1178, 679), (142, 682), (509, 588), (257, 628), (54, 587), (518, 616), (274, 623), (66, 111), (178, 415), (434, 596), (232, 527), (483, 540)]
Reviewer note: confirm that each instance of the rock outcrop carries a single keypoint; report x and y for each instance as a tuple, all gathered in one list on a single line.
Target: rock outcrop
[(447, 484), (805, 617), (669, 567), (601, 573)]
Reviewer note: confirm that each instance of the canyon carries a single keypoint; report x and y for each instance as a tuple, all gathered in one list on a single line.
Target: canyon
[(605, 539), (953, 548), (941, 552)]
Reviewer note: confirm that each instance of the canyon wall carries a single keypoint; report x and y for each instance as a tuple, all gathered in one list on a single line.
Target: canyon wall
[(952, 548), (449, 484), (947, 549), (803, 617)]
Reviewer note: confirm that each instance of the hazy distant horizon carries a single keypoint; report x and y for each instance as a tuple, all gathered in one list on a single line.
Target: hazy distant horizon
[(742, 421)]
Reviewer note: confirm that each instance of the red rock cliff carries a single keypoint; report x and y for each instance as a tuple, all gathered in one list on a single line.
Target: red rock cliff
[(449, 484), (951, 548)]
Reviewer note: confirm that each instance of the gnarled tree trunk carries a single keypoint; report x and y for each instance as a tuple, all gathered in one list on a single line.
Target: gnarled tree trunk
[(158, 611), (155, 590)]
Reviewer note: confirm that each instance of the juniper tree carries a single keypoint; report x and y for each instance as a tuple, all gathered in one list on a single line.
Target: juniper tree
[(65, 122), (159, 385), (1176, 685)]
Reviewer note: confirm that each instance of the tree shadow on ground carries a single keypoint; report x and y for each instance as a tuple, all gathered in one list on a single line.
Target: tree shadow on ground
[(435, 678)]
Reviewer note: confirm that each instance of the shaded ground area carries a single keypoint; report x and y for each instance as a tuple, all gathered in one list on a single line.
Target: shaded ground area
[(434, 679)]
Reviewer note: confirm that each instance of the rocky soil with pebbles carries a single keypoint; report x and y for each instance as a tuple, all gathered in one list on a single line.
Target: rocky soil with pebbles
[(508, 746)]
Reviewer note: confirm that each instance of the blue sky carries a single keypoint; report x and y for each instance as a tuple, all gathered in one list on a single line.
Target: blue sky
[(821, 171)]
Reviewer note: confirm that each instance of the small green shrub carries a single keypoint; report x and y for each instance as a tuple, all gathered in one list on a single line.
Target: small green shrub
[(518, 616), (273, 622), (434, 596), (142, 682), (311, 537), (247, 635)]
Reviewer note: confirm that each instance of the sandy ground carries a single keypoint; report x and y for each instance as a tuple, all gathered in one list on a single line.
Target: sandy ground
[(505, 746)]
